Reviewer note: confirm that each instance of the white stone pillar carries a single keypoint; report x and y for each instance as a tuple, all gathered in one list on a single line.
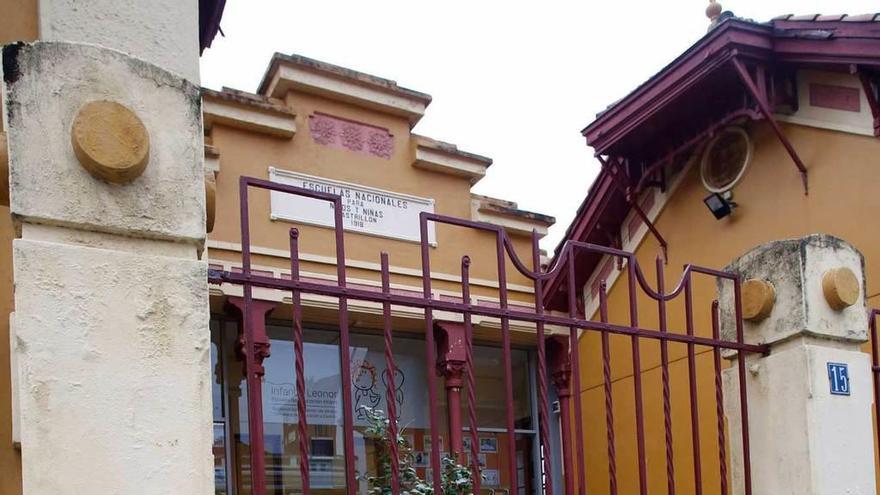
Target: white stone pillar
[(111, 301), (162, 32), (810, 433)]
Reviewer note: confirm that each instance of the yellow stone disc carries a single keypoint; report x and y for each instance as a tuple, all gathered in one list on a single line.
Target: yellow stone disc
[(758, 298), (841, 288), (110, 141), (210, 200)]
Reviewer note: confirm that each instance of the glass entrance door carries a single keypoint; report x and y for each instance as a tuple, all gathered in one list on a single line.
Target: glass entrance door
[(324, 411)]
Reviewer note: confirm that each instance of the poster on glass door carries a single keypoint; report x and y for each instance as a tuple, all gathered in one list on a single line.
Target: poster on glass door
[(369, 380)]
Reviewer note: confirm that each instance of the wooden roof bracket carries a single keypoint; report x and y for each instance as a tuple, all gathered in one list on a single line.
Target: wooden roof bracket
[(634, 204), (873, 102), (706, 133), (758, 96)]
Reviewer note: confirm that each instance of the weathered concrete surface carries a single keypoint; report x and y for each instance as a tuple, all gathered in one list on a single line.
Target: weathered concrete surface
[(804, 440), (10, 457), (795, 268), (47, 85), (110, 332), (4, 171), (114, 371), (162, 32)]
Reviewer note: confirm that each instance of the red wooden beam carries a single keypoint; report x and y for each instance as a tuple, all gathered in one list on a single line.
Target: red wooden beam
[(706, 133), (633, 202), (868, 86), (768, 114)]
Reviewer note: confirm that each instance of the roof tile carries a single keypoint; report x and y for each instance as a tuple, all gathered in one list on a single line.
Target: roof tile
[(803, 17), (782, 17), (861, 18), (831, 17)]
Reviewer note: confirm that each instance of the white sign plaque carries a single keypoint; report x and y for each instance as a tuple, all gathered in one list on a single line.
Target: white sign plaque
[(365, 209)]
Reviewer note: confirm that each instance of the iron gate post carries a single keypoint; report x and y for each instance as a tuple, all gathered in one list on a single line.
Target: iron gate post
[(560, 374), (452, 366), (810, 397)]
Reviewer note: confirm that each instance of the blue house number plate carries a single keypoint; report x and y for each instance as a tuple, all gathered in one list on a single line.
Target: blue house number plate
[(838, 377)]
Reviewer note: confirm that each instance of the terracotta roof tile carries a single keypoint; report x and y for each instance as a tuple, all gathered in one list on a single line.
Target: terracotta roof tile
[(803, 17), (861, 18), (875, 17), (832, 17)]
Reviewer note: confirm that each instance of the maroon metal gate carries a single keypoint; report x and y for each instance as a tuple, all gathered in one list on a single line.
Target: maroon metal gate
[(574, 468), (875, 373)]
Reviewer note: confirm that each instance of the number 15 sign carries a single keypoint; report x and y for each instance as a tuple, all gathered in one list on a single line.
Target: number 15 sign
[(838, 377)]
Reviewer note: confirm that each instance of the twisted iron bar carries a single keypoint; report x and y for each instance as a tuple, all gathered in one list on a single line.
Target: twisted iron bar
[(719, 402), (299, 365), (664, 360), (543, 413), (390, 388), (471, 379), (609, 401)]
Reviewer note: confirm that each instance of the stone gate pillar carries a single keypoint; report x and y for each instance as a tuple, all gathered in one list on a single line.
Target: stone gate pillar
[(110, 327), (810, 398)]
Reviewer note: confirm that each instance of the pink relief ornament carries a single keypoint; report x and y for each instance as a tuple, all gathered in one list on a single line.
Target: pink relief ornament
[(352, 136)]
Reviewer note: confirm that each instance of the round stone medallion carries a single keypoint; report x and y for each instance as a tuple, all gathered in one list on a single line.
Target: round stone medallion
[(110, 141)]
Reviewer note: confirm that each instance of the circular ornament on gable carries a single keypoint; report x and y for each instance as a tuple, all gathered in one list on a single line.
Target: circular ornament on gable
[(725, 159), (110, 141)]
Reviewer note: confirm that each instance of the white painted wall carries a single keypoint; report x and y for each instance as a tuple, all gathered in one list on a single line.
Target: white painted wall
[(861, 122), (162, 32)]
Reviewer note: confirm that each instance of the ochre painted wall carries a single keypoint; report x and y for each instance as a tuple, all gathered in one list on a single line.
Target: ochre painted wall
[(19, 20), (247, 153), (843, 201)]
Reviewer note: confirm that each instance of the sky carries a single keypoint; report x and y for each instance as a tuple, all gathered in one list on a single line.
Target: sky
[(512, 80)]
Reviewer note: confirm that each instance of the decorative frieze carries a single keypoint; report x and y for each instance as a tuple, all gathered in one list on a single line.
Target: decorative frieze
[(350, 135)]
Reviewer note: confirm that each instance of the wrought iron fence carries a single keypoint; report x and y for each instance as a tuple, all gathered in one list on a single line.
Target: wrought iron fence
[(875, 371), (574, 465)]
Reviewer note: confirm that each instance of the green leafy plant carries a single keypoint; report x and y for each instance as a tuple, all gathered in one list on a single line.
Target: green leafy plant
[(455, 479)]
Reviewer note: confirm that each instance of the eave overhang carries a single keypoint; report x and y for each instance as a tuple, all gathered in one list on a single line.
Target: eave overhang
[(602, 209), (210, 14), (843, 44), (508, 215), (446, 158), (703, 89), (692, 66), (247, 111)]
